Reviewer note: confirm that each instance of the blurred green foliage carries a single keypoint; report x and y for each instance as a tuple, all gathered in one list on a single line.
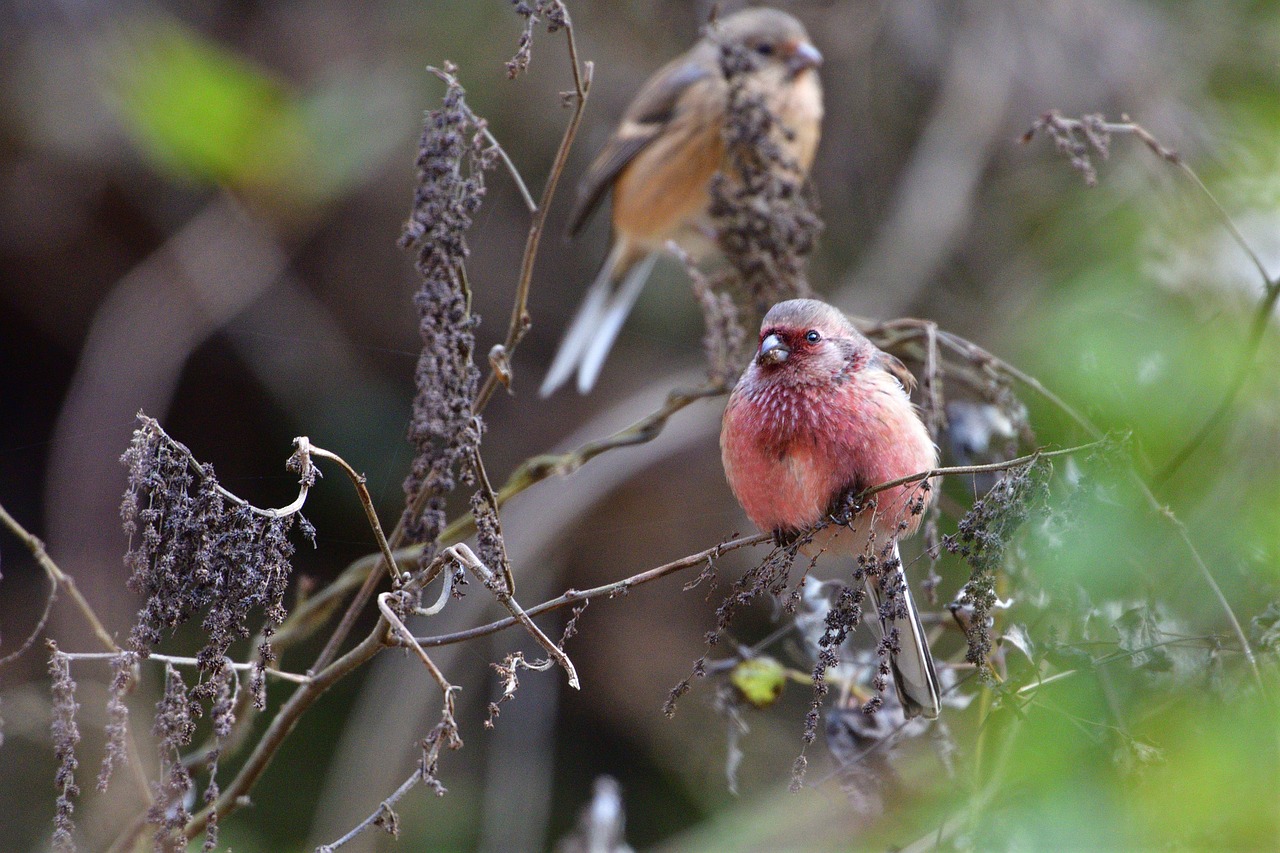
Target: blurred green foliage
[(201, 112)]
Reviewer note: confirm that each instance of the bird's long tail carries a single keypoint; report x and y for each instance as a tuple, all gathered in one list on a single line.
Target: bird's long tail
[(914, 676), (595, 327)]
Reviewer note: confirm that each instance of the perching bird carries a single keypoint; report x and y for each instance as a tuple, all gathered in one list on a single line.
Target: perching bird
[(662, 157), (821, 412)]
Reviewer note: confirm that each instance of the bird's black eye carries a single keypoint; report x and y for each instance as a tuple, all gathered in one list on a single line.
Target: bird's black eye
[(764, 48), (812, 336)]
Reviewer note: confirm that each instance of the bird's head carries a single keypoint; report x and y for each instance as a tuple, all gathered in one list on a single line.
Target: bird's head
[(807, 341), (773, 35)]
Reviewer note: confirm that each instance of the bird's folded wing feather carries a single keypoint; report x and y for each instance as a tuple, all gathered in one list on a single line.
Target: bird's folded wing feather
[(652, 110)]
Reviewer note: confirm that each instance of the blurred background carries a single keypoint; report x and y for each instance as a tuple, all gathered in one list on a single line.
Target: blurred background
[(199, 204)]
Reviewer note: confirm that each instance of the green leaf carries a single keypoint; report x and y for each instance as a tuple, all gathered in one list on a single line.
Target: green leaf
[(760, 680), (201, 113)]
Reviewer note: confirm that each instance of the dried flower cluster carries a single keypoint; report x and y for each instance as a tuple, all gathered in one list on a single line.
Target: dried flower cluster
[(552, 11), (770, 577), (175, 726), (764, 213), (444, 430), (489, 541), (194, 549), (66, 734), (1076, 139), (981, 538), (725, 341), (117, 728)]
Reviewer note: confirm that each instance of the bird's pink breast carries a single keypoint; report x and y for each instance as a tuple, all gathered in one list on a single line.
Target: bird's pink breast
[(790, 451)]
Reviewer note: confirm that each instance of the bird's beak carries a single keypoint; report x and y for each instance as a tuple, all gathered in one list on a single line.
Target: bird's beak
[(803, 55), (773, 350)]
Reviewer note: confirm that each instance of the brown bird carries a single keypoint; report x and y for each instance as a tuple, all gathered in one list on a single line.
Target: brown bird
[(821, 412), (662, 157)]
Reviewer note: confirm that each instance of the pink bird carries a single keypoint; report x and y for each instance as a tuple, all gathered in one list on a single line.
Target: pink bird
[(821, 412)]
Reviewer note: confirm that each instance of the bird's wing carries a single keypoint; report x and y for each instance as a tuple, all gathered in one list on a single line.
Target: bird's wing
[(892, 365), (649, 114)]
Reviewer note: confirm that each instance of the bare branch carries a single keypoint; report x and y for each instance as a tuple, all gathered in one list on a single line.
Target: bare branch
[(512, 170), (520, 319), (473, 564), (406, 638), (59, 578), (185, 661), (40, 623), (378, 816), (608, 590), (371, 577)]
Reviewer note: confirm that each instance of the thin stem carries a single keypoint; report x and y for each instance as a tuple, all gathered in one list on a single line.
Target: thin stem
[(282, 724), (198, 469), (39, 627), (1248, 359), (573, 596), (514, 172), (384, 809), (538, 468), (182, 661), (520, 319), (406, 637), (973, 469), (366, 501), (57, 576), (471, 562), (1270, 286), (1208, 579), (371, 578)]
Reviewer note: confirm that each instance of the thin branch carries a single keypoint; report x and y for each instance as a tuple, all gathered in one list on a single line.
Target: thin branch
[(181, 661), (198, 469), (357, 480), (467, 559), (973, 469), (60, 578), (384, 809), (538, 468), (40, 623), (371, 578), (1062, 129), (520, 319), (406, 638), (511, 168), (1097, 663), (1248, 360), (1261, 317), (1181, 529), (574, 596), (282, 724)]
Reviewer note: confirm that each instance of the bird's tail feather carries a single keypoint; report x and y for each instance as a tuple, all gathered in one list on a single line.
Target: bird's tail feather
[(611, 321), (578, 336), (914, 676)]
